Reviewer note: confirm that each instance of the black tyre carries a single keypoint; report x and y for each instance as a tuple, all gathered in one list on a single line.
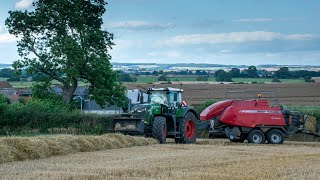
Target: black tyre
[(275, 136), (188, 128), (177, 140), (237, 140), (256, 136), (159, 129)]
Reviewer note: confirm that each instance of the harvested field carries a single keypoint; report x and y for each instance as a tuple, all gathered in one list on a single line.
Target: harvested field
[(209, 159), (290, 93), (23, 148)]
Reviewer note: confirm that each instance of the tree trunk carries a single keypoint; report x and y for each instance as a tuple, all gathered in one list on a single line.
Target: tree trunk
[(67, 93)]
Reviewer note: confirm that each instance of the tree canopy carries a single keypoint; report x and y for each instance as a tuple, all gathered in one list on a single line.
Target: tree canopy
[(252, 72), (7, 73), (222, 75), (64, 40), (283, 72), (235, 72), (123, 77)]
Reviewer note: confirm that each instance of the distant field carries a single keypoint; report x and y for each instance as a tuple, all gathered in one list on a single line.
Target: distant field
[(152, 79), (288, 93), (17, 84), (267, 80), (210, 159), (212, 79), (147, 79)]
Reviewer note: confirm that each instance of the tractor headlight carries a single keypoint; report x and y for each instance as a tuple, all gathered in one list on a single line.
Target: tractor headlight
[(140, 108)]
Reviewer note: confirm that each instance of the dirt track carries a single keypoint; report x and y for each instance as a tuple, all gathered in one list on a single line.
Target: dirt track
[(214, 159), (290, 93)]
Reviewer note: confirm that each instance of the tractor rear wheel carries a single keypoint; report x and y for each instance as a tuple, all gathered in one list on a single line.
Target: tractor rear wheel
[(159, 129), (256, 136), (275, 136), (188, 128)]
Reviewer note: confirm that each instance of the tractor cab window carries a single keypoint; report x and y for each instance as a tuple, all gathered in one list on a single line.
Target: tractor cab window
[(171, 97), (159, 97), (175, 99), (179, 98)]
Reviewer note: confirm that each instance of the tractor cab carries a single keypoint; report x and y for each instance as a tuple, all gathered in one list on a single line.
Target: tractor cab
[(170, 97)]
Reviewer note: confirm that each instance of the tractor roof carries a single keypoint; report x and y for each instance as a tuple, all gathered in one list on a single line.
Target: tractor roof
[(169, 89)]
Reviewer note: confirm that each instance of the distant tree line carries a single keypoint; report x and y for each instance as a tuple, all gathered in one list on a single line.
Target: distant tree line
[(14, 75), (284, 73), (182, 72), (202, 75), (124, 77), (253, 72)]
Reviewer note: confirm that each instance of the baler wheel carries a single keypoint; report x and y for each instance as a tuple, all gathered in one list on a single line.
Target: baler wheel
[(256, 136), (159, 129), (275, 136)]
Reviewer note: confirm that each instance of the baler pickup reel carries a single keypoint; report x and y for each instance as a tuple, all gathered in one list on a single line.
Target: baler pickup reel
[(131, 126)]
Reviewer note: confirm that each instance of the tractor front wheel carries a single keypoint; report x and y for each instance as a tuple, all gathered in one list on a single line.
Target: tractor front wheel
[(256, 136), (188, 128), (159, 129)]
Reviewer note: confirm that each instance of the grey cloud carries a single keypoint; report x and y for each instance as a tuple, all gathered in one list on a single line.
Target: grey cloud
[(237, 37), (260, 20), (23, 4)]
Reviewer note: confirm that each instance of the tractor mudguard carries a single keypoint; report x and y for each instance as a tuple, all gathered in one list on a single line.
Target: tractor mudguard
[(201, 124), (183, 110)]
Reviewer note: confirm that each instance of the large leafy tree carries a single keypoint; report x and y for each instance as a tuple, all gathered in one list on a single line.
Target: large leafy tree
[(252, 72), (64, 40), (222, 75), (283, 72), (235, 72)]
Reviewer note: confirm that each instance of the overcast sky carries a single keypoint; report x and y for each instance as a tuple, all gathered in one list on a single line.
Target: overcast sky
[(249, 32)]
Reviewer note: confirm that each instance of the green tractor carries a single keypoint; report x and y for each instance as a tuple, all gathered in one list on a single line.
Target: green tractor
[(164, 116)]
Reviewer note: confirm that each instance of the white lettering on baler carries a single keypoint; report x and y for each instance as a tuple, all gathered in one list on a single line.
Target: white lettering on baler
[(260, 111)]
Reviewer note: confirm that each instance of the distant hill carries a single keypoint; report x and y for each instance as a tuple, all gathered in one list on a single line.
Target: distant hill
[(5, 66), (201, 66)]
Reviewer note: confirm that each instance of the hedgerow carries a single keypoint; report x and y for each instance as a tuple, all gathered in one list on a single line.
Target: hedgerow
[(42, 116)]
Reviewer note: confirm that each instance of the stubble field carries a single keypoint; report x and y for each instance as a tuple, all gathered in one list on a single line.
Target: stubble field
[(208, 159), (289, 93)]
